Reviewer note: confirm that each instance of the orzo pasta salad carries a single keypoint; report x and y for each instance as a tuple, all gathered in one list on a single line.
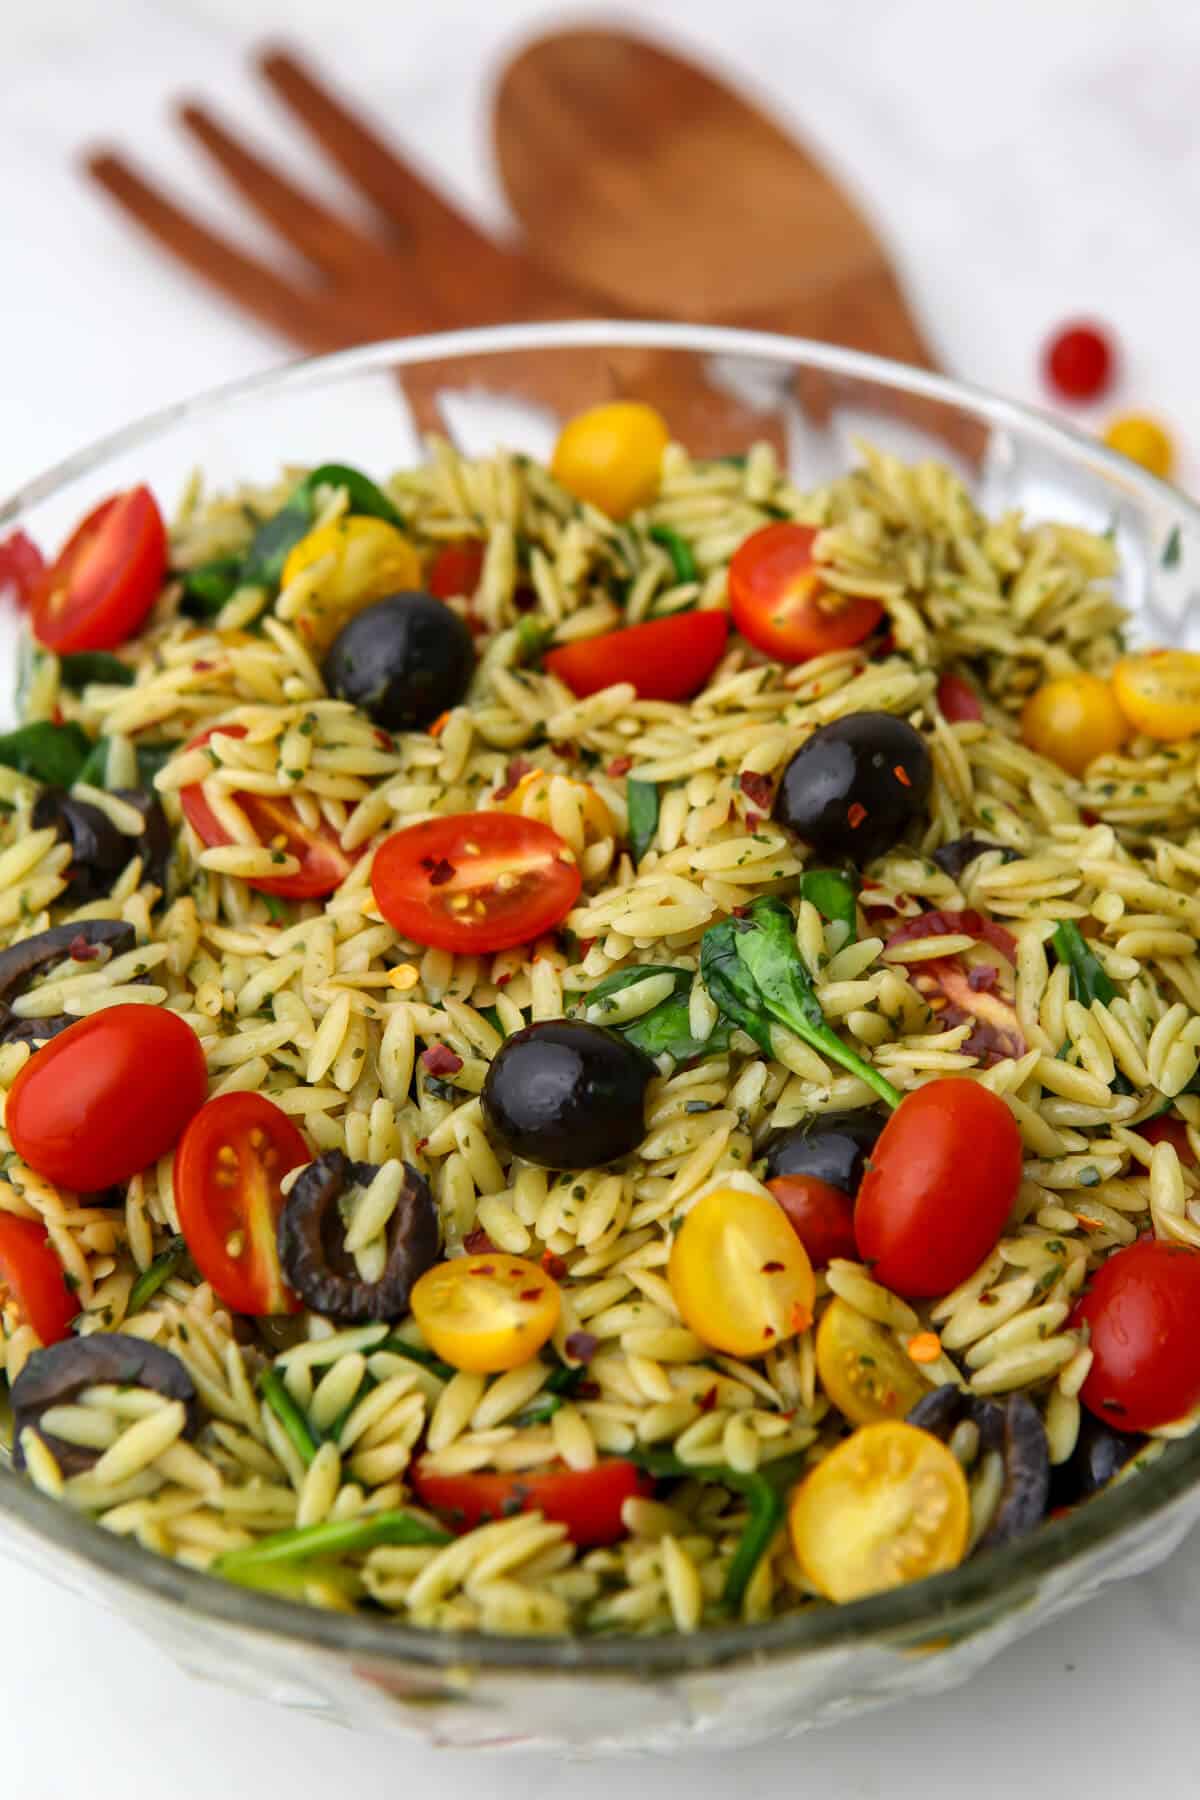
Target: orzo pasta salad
[(594, 1048)]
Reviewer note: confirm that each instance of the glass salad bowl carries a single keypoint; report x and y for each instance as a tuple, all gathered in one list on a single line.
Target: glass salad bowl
[(720, 391)]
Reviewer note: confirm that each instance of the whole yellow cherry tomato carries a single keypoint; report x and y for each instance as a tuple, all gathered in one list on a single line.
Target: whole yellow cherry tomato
[(486, 1313), (531, 798), (1072, 720), (611, 456), (740, 1276), (888, 1506), (1159, 693), (370, 559), (862, 1368), (1143, 441)]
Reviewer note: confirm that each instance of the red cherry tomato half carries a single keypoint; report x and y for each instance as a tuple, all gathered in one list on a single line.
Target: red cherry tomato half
[(1141, 1310), (475, 882), (780, 602), (227, 1171), (456, 569), (668, 659), (106, 578), (587, 1501), (1167, 1129), (31, 1279), (1078, 362), (324, 865), (21, 563), (939, 1188), (821, 1215), (957, 700), (107, 1096)]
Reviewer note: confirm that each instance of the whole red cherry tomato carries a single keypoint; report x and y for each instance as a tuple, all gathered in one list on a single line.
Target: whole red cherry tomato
[(1141, 1310)]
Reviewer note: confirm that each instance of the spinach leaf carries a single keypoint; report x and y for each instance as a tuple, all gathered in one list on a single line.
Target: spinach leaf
[(150, 759), (679, 552), (641, 798), (208, 587), (765, 1491), (365, 499), (94, 665), (666, 1028), (51, 753), (835, 898), (756, 975), (1089, 980)]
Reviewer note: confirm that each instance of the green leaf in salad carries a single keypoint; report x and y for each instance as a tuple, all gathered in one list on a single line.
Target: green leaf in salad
[(1089, 979), (678, 550), (641, 800), (666, 1028), (835, 897), (756, 975), (54, 754), (85, 666)]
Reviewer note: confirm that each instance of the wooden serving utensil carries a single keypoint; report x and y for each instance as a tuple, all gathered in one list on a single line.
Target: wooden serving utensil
[(639, 175)]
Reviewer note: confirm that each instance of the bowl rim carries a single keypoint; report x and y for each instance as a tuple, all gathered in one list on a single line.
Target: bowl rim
[(1001, 1579)]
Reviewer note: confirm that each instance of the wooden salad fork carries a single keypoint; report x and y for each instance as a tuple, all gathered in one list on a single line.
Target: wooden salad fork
[(420, 265)]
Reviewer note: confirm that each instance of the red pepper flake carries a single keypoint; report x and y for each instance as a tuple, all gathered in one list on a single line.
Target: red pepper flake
[(554, 1265), (772, 1268), (708, 1399), (478, 1243), (769, 1331), (757, 789), (420, 1144), (531, 1294), (383, 739), (56, 716), (566, 751), (202, 664), (514, 774), (483, 1269), (902, 775), (503, 980), (620, 765), (855, 815), (439, 1059), (440, 871), (81, 951), (585, 945), (581, 1346)]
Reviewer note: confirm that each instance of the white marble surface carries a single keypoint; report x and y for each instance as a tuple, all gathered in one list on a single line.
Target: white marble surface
[(1028, 160)]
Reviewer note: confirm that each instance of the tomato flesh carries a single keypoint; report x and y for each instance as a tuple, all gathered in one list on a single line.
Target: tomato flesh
[(1167, 1129), (888, 1506), (973, 987), (106, 578), (227, 1171), (781, 603), (942, 1182), (821, 1215), (486, 1312), (861, 1367), (1159, 693), (666, 659), (107, 1096), (739, 1274), (456, 569), (1141, 1310), (957, 700), (21, 564), (324, 865), (587, 1501), (32, 1281), (475, 882)]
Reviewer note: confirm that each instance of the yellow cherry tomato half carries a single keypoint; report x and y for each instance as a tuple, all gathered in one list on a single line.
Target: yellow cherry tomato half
[(862, 1368), (533, 798), (1143, 441), (1159, 693), (740, 1276), (886, 1507), (486, 1313), (368, 559), (1072, 720), (611, 456)]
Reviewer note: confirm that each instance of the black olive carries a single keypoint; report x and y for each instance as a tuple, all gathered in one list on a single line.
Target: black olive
[(1099, 1454), (154, 844), (856, 786), (954, 857), (1014, 1428), (22, 961), (830, 1147), (57, 1376), (98, 850), (312, 1242), (403, 661), (568, 1095)]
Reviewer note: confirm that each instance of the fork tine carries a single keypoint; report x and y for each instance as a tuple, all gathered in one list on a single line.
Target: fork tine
[(391, 183), (248, 282), (325, 239)]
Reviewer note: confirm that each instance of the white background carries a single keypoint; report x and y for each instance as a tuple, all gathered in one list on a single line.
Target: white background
[(1027, 159)]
